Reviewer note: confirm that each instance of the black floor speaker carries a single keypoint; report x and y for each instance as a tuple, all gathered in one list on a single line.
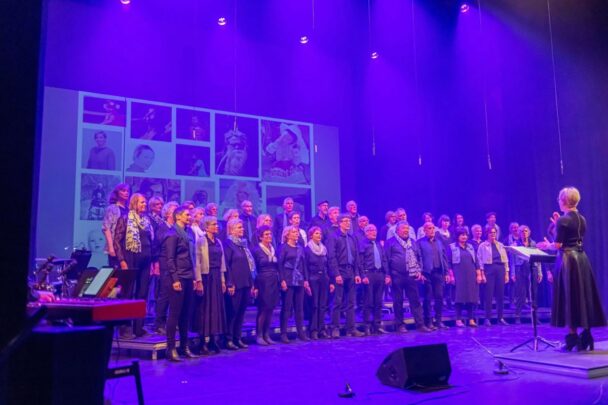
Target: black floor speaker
[(416, 367)]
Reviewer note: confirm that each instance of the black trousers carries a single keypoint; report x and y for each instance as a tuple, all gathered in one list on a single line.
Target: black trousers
[(293, 299), (372, 299), (495, 288), (522, 288), (404, 284), (179, 313), (432, 290), (140, 262), (162, 299), (344, 301), (319, 286), (235, 310), (470, 307)]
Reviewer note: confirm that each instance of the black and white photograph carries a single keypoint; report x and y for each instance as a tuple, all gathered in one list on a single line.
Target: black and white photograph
[(301, 200), (285, 152), (234, 192), (193, 125), (101, 149), (150, 122), (236, 146), (95, 191), (199, 192), (168, 189), (192, 160)]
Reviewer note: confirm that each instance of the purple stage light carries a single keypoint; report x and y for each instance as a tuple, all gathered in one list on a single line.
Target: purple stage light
[(464, 8), (375, 55), (222, 21), (125, 2), (303, 39)]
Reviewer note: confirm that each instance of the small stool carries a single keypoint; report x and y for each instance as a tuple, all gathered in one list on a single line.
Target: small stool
[(126, 371)]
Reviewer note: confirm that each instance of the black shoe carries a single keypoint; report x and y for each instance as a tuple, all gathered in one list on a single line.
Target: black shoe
[(502, 321), (323, 335), (260, 341), (187, 353), (269, 340), (314, 335), (354, 333), (586, 341), (401, 329), (231, 346), (285, 339), (381, 331), (367, 331), (141, 333), (173, 356), (572, 340), (203, 350), (127, 336), (424, 329), (442, 325), (160, 330), (215, 347), (335, 334), (302, 336), (430, 327), (241, 344), (487, 322)]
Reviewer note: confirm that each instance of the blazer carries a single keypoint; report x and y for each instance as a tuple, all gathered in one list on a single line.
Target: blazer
[(175, 256)]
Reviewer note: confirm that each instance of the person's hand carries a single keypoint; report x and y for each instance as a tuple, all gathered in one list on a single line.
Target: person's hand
[(479, 277), (332, 288), (506, 278), (339, 280), (155, 269), (365, 280), (539, 277), (111, 252), (307, 288), (357, 280), (387, 280), (554, 217), (223, 287), (484, 279), (284, 285), (544, 245), (419, 277), (198, 287), (123, 265), (254, 292), (177, 286), (231, 290), (45, 296), (514, 278), (549, 276)]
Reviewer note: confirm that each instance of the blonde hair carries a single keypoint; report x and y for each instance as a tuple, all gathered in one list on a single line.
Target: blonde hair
[(232, 224), (232, 212), (262, 218), (569, 196), (286, 231), (135, 200)]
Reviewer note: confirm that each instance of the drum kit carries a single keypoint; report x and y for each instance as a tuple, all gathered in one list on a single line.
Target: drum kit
[(60, 275)]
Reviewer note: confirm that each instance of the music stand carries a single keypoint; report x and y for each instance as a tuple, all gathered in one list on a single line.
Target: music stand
[(533, 256)]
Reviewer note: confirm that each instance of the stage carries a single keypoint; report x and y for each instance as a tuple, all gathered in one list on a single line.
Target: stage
[(315, 372)]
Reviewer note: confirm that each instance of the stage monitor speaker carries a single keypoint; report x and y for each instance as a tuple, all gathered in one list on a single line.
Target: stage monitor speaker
[(416, 367)]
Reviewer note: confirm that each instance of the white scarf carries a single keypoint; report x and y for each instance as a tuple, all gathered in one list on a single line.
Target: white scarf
[(318, 249), (269, 252)]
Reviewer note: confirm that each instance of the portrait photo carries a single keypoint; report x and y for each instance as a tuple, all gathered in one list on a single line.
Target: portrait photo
[(150, 122), (301, 200), (95, 190), (236, 146), (104, 111), (101, 149), (193, 125), (192, 160), (199, 192), (168, 189), (234, 192), (285, 152)]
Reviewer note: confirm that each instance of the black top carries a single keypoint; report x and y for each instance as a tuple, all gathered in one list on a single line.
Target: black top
[(433, 254), (238, 273), (383, 232), (329, 232), (317, 265), (175, 256), (120, 240), (340, 264), (292, 265), (396, 258), (215, 254), (157, 222), (475, 243), (322, 223), (249, 224), (571, 228), (496, 259), (366, 257), (262, 263)]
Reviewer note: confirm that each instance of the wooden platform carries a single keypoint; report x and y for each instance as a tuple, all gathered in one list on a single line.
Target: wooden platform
[(581, 365)]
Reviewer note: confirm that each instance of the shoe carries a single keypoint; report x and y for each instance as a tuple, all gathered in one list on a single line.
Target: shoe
[(401, 329), (231, 346), (127, 336), (160, 330), (302, 336), (173, 356), (472, 323), (323, 335), (459, 324), (424, 329), (487, 323), (355, 333), (367, 331), (215, 347), (335, 334), (187, 353), (269, 340), (431, 327), (314, 335), (204, 350), (285, 339), (441, 325), (141, 333), (572, 340), (241, 344), (518, 321), (381, 331), (260, 341), (502, 321), (586, 340)]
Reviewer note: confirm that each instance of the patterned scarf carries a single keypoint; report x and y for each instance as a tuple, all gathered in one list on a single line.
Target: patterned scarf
[(242, 243), (410, 256), (135, 223), (318, 249), (272, 258)]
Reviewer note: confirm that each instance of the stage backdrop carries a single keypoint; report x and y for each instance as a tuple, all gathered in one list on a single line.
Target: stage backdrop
[(91, 142)]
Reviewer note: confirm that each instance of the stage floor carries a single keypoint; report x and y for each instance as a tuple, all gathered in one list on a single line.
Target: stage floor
[(314, 373)]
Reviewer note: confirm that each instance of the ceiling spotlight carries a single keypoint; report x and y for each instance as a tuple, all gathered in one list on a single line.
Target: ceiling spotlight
[(375, 55), (303, 39), (125, 2), (222, 21), (464, 8)]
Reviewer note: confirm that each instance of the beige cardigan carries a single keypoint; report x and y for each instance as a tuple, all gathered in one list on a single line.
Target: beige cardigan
[(202, 259)]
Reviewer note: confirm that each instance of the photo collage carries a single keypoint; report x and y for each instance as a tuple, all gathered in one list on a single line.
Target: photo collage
[(185, 153)]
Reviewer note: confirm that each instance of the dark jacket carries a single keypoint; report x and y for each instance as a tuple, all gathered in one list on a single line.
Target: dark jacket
[(290, 260), (338, 255), (175, 256), (320, 222), (317, 265), (120, 240), (396, 259), (366, 258), (250, 222), (238, 273), (426, 253), (264, 267)]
